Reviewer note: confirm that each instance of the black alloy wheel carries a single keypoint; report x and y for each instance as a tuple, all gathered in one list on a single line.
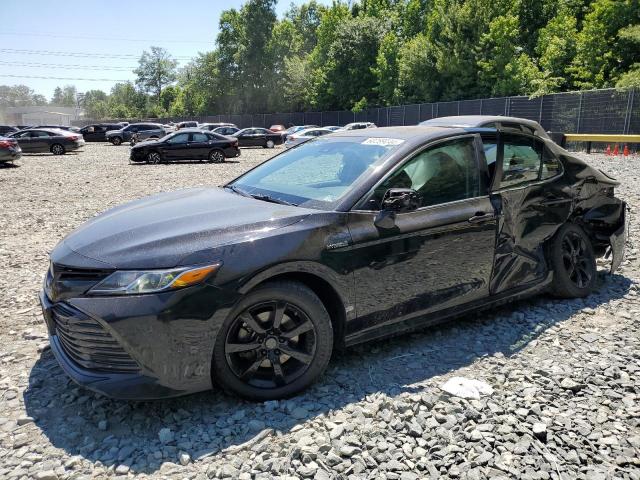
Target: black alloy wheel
[(276, 343), (573, 263), (57, 149), (216, 156), (154, 157), (116, 140)]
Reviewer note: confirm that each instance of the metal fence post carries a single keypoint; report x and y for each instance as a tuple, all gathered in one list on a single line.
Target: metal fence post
[(404, 115), (579, 114), (481, 105), (458, 102), (627, 118), (540, 113)]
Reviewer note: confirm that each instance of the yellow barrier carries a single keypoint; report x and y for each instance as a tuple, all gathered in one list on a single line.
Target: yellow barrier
[(593, 137)]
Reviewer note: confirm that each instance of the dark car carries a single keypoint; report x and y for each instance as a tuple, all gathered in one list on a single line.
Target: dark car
[(258, 137), (9, 150), (124, 134), (51, 140), (6, 129), (68, 128), (487, 121), (215, 126), (186, 145), (97, 132), (226, 130), (346, 238)]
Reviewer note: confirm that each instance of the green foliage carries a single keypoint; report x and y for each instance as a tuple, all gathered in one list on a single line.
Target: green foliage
[(19, 96), (359, 54), (65, 96)]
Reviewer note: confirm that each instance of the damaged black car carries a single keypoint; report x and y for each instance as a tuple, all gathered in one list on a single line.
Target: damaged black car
[(347, 238)]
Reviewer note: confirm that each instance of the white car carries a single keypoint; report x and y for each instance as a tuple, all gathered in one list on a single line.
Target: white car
[(359, 125), (305, 135)]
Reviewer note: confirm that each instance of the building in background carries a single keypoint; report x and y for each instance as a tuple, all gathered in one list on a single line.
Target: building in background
[(40, 115)]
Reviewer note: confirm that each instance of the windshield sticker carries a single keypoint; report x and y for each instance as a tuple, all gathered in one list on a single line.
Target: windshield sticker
[(382, 141)]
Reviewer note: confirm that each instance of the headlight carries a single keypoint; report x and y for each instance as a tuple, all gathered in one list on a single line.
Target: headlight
[(135, 282)]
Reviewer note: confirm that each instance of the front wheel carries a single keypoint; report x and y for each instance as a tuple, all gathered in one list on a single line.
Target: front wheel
[(154, 157), (116, 141), (270, 144), (276, 342), (573, 263), (57, 149), (216, 156)]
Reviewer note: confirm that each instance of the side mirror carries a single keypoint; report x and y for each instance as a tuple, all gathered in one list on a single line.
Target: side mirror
[(396, 200)]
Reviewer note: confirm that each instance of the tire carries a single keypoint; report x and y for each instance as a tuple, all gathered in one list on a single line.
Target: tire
[(216, 156), (573, 263), (154, 157), (57, 149), (132, 142), (270, 144), (116, 141), (251, 356)]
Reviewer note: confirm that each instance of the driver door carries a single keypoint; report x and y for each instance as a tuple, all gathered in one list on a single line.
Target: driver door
[(436, 257)]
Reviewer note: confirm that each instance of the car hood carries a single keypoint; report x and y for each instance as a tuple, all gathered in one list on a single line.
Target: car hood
[(172, 229), (112, 132)]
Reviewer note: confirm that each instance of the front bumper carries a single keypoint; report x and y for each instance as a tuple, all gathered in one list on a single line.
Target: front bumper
[(169, 338), (618, 240)]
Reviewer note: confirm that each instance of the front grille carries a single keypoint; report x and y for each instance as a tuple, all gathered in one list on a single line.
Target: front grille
[(67, 282), (88, 344)]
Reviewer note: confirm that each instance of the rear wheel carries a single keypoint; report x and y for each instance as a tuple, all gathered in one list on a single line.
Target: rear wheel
[(57, 149), (270, 144), (116, 140), (573, 263), (275, 343), (216, 156)]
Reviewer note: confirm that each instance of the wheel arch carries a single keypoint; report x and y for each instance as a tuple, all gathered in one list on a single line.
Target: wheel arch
[(326, 290)]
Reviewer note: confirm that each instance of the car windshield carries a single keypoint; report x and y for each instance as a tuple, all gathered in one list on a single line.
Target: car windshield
[(318, 173)]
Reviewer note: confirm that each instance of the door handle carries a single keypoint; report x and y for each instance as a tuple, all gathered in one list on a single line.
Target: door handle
[(481, 217)]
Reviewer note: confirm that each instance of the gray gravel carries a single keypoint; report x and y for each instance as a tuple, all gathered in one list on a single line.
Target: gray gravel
[(564, 388)]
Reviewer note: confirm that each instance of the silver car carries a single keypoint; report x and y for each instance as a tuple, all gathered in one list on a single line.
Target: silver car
[(304, 136)]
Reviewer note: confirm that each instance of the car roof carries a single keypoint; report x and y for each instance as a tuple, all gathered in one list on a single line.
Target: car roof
[(421, 132), (301, 132), (190, 130)]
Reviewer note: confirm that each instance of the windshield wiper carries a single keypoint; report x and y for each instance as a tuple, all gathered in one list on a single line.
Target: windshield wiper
[(267, 198), (237, 190)]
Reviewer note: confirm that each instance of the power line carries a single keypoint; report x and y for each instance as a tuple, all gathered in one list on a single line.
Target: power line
[(68, 78), (79, 54), (71, 67), (92, 37)]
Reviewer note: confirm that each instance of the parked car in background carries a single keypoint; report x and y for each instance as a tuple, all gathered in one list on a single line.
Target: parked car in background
[(124, 124), (97, 132), (230, 130), (147, 135), (186, 124), (68, 128), (489, 121), (6, 129), (294, 129), (277, 128), (9, 149), (187, 144), (51, 140), (214, 126), (124, 134), (258, 137), (349, 238), (359, 125), (333, 128), (304, 136)]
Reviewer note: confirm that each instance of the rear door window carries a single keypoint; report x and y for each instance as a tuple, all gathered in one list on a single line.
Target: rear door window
[(199, 137), (180, 138)]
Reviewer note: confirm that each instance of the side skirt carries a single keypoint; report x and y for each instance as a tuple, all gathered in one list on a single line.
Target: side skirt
[(415, 323)]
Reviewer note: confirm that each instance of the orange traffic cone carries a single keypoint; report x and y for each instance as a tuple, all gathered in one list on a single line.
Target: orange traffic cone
[(608, 151), (626, 151), (616, 151)]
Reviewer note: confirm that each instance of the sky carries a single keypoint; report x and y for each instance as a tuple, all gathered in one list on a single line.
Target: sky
[(101, 40)]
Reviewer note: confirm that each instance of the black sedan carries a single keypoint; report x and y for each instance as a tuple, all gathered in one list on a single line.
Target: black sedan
[(258, 137), (186, 145), (9, 150), (97, 132), (52, 140), (346, 238)]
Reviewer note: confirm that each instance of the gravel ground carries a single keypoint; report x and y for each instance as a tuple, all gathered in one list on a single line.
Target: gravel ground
[(563, 374)]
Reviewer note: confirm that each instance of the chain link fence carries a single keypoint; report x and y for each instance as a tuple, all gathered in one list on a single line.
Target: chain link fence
[(594, 111)]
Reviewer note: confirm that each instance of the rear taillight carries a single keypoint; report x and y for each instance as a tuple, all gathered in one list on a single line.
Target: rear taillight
[(74, 137), (7, 143)]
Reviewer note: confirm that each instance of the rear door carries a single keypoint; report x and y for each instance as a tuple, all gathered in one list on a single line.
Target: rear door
[(437, 257), (24, 140), (199, 144), (531, 202), (40, 141)]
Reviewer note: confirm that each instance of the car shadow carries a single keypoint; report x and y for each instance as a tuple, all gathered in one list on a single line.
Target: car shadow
[(207, 423), (9, 165), (188, 162)]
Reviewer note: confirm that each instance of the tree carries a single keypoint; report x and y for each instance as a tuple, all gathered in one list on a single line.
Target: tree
[(386, 69), (156, 69), (65, 96), (417, 71), (95, 104), (19, 96), (556, 49)]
